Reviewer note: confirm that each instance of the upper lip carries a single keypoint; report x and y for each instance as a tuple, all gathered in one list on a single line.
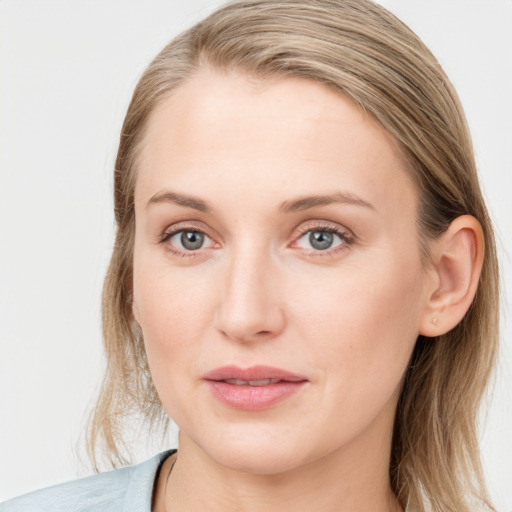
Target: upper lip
[(258, 372)]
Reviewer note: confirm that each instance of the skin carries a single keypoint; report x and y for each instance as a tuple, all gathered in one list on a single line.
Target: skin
[(257, 292)]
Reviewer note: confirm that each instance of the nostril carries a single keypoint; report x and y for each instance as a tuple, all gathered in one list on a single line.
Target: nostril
[(245, 337)]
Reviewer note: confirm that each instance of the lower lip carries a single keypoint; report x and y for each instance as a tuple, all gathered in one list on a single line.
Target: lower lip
[(253, 398)]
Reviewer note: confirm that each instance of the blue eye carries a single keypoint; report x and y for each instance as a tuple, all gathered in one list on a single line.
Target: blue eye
[(188, 240), (321, 240)]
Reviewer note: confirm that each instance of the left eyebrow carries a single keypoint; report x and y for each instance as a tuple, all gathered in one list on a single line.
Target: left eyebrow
[(304, 203)]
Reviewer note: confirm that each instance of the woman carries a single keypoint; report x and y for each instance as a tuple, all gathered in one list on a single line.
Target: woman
[(304, 273)]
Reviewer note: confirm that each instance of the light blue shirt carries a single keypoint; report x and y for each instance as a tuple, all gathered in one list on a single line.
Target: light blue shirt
[(128, 489)]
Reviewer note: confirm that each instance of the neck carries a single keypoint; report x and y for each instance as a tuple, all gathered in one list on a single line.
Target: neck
[(354, 478)]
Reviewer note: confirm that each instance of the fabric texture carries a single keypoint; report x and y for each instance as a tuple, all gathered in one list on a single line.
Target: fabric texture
[(127, 489)]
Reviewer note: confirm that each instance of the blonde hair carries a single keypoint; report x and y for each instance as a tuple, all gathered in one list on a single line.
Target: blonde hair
[(361, 50)]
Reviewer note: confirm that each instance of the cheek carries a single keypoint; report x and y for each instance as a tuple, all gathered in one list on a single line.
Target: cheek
[(358, 332), (167, 311), (172, 323), (174, 310), (364, 321)]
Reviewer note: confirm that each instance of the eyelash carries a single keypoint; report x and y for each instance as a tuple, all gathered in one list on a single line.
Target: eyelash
[(167, 235), (345, 236)]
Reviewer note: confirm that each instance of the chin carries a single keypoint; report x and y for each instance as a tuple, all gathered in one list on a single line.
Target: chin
[(255, 455), (258, 461)]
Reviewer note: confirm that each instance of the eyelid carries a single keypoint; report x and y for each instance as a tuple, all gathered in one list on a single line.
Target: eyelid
[(320, 225), (173, 229), (186, 226)]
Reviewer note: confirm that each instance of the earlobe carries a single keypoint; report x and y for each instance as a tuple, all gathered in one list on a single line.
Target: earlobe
[(457, 259)]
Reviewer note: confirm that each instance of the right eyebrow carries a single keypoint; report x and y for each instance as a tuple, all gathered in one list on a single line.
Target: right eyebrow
[(181, 199)]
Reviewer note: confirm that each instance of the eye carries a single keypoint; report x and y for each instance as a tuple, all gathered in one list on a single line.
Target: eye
[(323, 239), (186, 240), (189, 240)]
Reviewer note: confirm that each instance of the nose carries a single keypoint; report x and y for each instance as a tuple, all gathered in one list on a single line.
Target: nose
[(250, 306)]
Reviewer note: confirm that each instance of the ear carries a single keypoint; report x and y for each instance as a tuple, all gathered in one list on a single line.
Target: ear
[(457, 259)]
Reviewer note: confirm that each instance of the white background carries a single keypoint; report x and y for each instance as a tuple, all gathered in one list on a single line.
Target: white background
[(68, 68)]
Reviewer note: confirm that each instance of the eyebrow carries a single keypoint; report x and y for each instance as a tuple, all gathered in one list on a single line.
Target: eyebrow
[(297, 205), (181, 199), (304, 203)]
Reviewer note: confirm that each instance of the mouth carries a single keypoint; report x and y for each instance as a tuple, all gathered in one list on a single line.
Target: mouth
[(263, 382), (253, 389)]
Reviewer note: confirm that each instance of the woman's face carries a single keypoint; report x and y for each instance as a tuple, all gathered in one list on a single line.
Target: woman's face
[(275, 227)]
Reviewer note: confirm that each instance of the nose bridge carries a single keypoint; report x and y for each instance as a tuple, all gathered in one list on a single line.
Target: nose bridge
[(250, 306)]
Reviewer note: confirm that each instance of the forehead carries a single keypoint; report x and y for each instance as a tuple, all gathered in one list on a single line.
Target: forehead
[(288, 135)]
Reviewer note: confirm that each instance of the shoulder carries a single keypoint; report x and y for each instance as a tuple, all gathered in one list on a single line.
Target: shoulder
[(122, 490)]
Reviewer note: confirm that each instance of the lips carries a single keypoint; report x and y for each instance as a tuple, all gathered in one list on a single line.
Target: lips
[(255, 388)]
